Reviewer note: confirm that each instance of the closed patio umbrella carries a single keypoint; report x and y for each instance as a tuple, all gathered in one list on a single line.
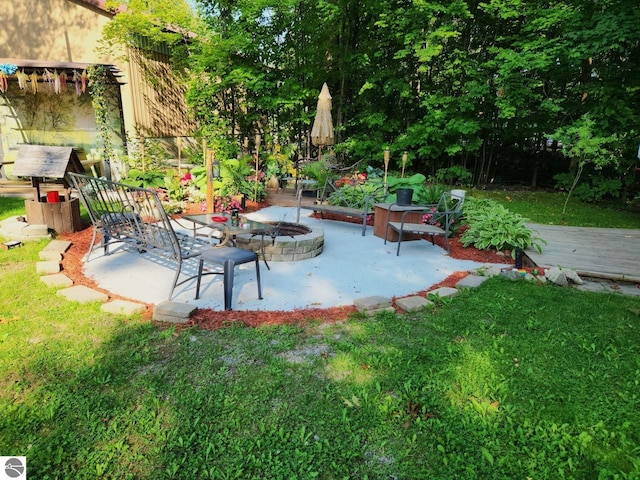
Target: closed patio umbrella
[(322, 131)]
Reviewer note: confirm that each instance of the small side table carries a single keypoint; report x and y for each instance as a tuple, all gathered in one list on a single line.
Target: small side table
[(391, 212)]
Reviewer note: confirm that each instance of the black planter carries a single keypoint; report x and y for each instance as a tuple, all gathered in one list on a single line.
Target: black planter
[(519, 258), (404, 196)]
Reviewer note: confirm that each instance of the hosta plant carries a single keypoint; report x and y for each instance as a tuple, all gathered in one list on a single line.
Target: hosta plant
[(491, 225)]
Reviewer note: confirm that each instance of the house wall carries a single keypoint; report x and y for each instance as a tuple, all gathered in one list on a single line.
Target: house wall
[(55, 30), (60, 31), (70, 31)]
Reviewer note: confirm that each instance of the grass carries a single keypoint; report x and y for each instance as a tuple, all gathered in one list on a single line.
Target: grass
[(546, 208), (11, 207), (510, 380)]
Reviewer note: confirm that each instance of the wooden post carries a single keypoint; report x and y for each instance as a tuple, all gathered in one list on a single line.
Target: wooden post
[(386, 168), (180, 156), (208, 161), (144, 162), (211, 206), (404, 163), (255, 189)]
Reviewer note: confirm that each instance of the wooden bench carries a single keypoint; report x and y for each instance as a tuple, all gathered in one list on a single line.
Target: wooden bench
[(135, 217), (437, 221), (349, 200)]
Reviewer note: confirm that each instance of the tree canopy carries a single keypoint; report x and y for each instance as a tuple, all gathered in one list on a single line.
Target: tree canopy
[(491, 85)]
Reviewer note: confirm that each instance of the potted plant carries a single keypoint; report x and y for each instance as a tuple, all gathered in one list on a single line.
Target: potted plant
[(271, 174), (421, 193)]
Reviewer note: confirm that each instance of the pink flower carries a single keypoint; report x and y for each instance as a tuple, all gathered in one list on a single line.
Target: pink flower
[(186, 178)]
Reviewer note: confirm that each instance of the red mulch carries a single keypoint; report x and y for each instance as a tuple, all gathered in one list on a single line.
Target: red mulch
[(211, 319)]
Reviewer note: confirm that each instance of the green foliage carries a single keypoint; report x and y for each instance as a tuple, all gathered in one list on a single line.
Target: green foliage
[(317, 170), (423, 193), (99, 88), (278, 162), (374, 172), (148, 179), (584, 145), (454, 175), (591, 189), (546, 208), (453, 83), (147, 153), (492, 226), (149, 20), (236, 178), (355, 196), (414, 180)]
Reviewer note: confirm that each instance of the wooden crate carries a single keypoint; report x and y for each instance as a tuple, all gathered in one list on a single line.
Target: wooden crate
[(58, 216), (380, 222)]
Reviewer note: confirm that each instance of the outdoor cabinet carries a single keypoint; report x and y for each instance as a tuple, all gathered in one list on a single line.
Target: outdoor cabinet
[(381, 213)]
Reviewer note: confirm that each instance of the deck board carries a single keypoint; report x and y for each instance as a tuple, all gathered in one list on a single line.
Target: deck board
[(606, 252)]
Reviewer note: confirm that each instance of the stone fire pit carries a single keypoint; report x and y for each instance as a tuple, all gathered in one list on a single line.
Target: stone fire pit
[(290, 243)]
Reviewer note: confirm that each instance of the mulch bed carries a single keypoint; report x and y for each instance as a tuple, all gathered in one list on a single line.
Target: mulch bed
[(213, 319)]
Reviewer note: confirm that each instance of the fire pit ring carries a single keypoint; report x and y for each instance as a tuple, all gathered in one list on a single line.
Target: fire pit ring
[(289, 243)]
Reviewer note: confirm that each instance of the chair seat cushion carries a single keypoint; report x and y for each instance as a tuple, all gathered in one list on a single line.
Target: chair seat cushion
[(224, 254)]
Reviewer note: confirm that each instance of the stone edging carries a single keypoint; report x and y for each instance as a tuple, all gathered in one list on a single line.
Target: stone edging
[(49, 268)]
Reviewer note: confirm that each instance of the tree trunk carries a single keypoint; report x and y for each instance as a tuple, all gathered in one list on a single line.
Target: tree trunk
[(573, 186)]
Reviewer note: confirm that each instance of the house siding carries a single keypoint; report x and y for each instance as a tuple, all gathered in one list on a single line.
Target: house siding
[(65, 31)]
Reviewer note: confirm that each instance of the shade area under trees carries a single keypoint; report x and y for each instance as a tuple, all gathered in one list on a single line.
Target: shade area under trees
[(511, 91)]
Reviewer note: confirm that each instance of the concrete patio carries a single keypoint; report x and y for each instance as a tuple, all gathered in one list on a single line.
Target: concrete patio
[(351, 267)]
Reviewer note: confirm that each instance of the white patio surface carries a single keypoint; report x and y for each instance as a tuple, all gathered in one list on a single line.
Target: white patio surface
[(350, 267)]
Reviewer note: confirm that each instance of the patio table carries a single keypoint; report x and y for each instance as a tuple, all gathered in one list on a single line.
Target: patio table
[(244, 226)]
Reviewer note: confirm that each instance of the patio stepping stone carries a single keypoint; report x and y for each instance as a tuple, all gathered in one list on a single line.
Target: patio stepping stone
[(373, 305), (173, 312), (56, 280), (82, 294), (413, 303), (123, 307), (49, 266), (488, 270), (36, 231), (471, 281), (443, 292), (59, 246), (50, 255)]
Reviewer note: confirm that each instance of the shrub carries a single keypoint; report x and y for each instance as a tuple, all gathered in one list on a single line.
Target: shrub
[(454, 175), (348, 196), (490, 225), (317, 170), (591, 189), (148, 179)]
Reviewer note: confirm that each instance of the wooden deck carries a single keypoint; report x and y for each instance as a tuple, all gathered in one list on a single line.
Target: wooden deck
[(611, 253)]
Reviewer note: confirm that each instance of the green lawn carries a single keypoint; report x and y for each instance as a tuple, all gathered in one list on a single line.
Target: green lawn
[(11, 206), (546, 208), (510, 380)]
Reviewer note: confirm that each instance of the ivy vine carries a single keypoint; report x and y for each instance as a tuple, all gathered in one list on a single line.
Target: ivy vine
[(98, 85)]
